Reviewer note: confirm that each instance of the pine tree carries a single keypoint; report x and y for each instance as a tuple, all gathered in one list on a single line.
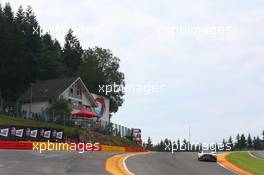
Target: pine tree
[(230, 142), (72, 53), (167, 142), (178, 144), (17, 53), (257, 143), (12, 52), (243, 142), (185, 144), (1, 62), (224, 144), (237, 144), (149, 145), (249, 141), (161, 146), (49, 62), (32, 31), (20, 19), (262, 140), (8, 13)]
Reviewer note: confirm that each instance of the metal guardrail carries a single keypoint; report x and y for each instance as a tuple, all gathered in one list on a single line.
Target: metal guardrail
[(102, 126)]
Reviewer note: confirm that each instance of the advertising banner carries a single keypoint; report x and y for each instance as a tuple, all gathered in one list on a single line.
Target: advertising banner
[(30, 133), (136, 135), (102, 109)]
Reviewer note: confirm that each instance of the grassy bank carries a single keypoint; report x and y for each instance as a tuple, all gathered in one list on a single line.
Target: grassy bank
[(246, 162), (70, 132)]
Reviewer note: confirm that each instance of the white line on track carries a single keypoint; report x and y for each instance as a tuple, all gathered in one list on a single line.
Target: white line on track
[(124, 165), (252, 155)]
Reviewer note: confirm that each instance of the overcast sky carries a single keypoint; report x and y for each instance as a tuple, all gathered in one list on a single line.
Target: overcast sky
[(207, 54)]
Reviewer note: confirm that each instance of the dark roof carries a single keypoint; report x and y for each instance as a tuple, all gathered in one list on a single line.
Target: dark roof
[(47, 89)]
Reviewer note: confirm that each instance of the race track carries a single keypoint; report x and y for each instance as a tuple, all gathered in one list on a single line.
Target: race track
[(176, 164), (93, 163), (52, 163), (258, 154)]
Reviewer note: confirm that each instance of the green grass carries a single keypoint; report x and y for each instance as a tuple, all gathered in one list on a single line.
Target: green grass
[(6, 120), (246, 162), (70, 132)]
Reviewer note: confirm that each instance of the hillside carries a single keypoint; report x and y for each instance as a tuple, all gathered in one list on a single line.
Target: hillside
[(70, 132)]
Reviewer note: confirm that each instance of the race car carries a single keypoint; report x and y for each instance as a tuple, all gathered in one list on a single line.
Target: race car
[(207, 156)]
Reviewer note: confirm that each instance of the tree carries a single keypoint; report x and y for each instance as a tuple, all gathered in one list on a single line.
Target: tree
[(32, 31), (224, 144), (6, 31), (1, 31), (28, 55), (230, 142), (100, 68), (20, 17), (249, 141), (263, 139), (58, 110), (72, 52), (243, 142), (149, 145), (184, 145), (256, 143), (161, 146), (16, 63), (167, 143), (237, 145), (178, 145), (49, 62)]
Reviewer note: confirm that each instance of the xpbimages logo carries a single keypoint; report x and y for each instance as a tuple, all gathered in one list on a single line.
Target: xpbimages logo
[(145, 89), (179, 146), (54, 146)]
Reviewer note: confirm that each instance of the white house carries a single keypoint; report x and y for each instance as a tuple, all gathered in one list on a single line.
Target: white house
[(41, 94)]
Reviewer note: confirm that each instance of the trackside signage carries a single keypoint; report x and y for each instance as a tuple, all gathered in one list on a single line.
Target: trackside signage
[(30, 133)]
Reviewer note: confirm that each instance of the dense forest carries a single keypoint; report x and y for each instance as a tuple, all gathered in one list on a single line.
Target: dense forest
[(28, 54), (240, 143)]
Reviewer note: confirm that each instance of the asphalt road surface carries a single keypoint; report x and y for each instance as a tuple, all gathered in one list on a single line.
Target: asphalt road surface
[(176, 164), (259, 154), (52, 163), (92, 163)]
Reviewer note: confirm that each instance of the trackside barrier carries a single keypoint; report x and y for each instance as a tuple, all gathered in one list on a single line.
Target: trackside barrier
[(55, 146), (131, 149), (15, 145), (27, 145), (112, 148)]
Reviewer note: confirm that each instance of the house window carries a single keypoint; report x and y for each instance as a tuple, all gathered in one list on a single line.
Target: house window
[(75, 91)]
